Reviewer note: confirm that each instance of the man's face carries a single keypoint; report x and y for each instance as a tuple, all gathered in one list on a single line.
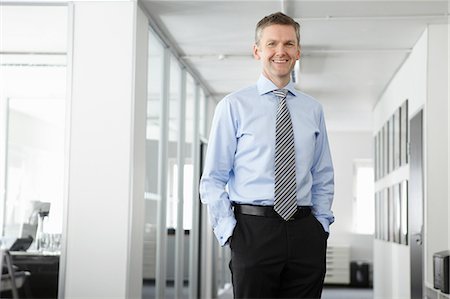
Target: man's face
[(278, 51)]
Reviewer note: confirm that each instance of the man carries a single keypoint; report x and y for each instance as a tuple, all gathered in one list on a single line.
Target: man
[(269, 147)]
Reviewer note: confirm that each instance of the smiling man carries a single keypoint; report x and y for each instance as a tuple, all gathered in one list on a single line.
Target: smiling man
[(268, 177)]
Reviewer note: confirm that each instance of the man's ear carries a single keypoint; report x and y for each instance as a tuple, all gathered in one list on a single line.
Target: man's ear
[(299, 52), (256, 52)]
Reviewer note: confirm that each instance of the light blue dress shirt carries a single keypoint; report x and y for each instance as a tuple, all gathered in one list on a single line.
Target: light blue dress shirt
[(239, 165)]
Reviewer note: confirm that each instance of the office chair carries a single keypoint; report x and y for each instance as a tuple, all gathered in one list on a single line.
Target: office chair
[(11, 279)]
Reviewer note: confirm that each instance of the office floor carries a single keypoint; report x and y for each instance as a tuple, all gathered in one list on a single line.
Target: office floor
[(329, 292), (346, 293)]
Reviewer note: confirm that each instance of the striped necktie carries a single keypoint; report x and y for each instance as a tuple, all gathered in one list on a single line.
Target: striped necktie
[(285, 203)]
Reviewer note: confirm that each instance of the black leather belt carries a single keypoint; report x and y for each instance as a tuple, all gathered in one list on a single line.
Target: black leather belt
[(268, 211)]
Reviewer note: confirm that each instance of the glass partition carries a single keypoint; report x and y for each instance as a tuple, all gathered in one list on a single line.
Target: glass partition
[(171, 116), (155, 69), (33, 78), (34, 168), (172, 186), (32, 98), (188, 166)]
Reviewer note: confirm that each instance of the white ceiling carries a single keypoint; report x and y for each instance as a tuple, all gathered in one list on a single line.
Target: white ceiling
[(351, 49)]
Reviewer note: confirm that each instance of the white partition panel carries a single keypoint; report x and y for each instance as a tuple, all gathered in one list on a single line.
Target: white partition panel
[(436, 154), (102, 257), (136, 210)]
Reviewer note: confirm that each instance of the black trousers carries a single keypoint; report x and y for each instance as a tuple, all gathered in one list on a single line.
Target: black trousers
[(274, 258)]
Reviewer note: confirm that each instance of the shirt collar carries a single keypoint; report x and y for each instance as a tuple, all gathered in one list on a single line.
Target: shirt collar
[(264, 86)]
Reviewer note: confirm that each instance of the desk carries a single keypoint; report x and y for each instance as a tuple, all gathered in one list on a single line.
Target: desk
[(44, 269)]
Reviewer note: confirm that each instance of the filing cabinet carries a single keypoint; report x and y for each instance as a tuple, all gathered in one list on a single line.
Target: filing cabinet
[(338, 265)]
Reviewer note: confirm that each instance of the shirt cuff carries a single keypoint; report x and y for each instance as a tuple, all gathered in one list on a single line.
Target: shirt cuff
[(325, 224), (224, 229)]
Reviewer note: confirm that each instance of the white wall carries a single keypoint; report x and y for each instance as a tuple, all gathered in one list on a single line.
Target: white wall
[(423, 80), (102, 256), (391, 261), (436, 150), (345, 148)]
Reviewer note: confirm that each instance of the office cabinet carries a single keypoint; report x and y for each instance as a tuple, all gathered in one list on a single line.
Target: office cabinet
[(338, 265)]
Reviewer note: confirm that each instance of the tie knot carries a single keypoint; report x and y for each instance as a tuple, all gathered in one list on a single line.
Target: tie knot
[(280, 93)]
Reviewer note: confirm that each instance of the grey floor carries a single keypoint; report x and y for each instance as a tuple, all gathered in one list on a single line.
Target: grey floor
[(346, 293), (329, 292)]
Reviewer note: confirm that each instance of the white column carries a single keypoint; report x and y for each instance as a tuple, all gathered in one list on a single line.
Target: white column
[(107, 62)]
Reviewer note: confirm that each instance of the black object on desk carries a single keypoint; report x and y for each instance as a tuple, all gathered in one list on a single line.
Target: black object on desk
[(21, 244), (44, 270)]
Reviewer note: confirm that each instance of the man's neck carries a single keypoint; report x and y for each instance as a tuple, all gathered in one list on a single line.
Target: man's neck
[(279, 82)]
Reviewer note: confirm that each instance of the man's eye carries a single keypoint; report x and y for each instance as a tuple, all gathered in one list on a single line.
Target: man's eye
[(271, 44)]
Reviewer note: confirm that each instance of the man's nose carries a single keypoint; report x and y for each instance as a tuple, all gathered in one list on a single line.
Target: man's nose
[(281, 49)]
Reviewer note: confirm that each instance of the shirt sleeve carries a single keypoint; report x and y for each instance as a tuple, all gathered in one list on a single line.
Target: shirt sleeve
[(322, 190), (217, 169)]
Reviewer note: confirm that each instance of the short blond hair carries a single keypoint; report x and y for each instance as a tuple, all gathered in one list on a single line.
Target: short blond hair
[(277, 18)]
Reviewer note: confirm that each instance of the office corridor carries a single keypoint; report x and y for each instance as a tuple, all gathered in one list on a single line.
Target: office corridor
[(106, 109)]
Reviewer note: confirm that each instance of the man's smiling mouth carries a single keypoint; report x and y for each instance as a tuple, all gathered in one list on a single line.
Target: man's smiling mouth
[(280, 60)]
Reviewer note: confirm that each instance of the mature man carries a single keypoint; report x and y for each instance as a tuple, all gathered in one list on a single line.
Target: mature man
[(269, 147)]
